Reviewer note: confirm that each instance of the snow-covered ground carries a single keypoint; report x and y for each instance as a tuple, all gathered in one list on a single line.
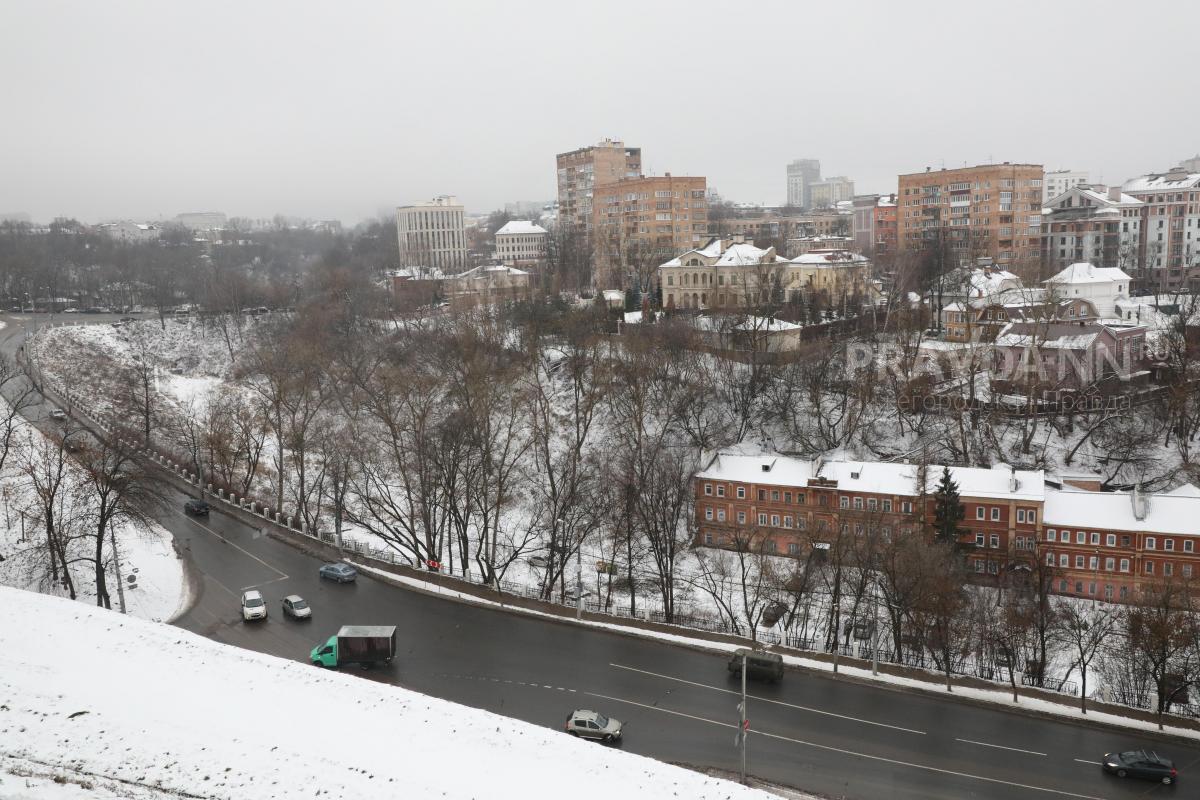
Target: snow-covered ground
[(89, 696)]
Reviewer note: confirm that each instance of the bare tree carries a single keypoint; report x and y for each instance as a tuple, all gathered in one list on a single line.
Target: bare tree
[(1086, 629)]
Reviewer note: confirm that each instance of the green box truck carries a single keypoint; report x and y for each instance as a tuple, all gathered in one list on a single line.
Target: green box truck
[(365, 645)]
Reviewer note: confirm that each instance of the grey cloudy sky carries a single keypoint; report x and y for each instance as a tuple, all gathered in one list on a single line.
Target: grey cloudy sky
[(115, 109)]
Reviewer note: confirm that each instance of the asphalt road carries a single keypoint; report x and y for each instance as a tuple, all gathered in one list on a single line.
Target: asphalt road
[(828, 736)]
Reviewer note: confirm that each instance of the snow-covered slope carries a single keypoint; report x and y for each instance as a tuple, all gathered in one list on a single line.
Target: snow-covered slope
[(120, 704)]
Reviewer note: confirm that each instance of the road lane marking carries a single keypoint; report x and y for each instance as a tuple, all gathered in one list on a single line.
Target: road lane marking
[(769, 700), (1086, 761), (236, 546), (830, 748), (1001, 747)]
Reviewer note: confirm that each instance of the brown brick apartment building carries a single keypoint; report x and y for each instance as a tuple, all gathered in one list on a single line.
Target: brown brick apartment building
[(642, 222), (989, 210), (789, 505), (581, 171)]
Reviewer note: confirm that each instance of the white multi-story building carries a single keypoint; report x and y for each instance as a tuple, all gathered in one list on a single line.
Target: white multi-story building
[(1170, 230), (828, 193), (1061, 180), (801, 175), (432, 234), (520, 242), (202, 220), (128, 231)]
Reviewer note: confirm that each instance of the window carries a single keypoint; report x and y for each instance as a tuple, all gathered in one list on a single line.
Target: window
[(1187, 570), (1168, 544), (1095, 538), (1064, 560), (1049, 559), (720, 515), (844, 502), (741, 493), (801, 523), (1187, 545), (1124, 565), (1062, 586), (1080, 537), (995, 513), (800, 498), (769, 546), (775, 495), (708, 513), (979, 540), (994, 540), (1150, 543), (1149, 567), (1168, 568), (1078, 562), (1111, 540), (979, 512), (1093, 563), (720, 491), (1108, 592), (905, 507), (775, 520), (762, 495), (787, 521), (1124, 592), (858, 504), (1030, 516), (1124, 541), (872, 504), (741, 517), (793, 549), (887, 506), (1109, 564), (708, 537), (787, 497), (979, 565), (1020, 515), (1050, 535), (708, 489), (762, 519)]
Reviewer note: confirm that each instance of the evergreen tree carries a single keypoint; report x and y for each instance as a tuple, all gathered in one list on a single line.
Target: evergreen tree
[(948, 510)]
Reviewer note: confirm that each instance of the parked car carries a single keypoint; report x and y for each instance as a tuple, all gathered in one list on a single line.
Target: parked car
[(296, 607), (1140, 764), (58, 415), (342, 573), (70, 310), (760, 665), (594, 725), (541, 562), (253, 605), (196, 507)]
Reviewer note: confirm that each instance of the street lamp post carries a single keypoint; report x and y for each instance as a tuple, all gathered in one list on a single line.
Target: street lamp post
[(579, 579)]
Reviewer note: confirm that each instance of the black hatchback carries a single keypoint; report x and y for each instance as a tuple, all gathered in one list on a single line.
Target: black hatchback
[(196, 507), (1140, 764)]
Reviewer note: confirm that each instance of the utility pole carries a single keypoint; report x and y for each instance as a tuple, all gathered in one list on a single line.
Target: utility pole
[(117, 569), (874, 624), (579, 579), (743, 726)]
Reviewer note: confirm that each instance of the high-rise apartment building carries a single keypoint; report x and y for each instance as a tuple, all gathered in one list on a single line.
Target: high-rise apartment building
[(641, 222), (1097, 224), (1060, 181), (432, 235), (801, 175), (992, 210), (1170, 230), (873, 223), (827, 193), (581, 171)]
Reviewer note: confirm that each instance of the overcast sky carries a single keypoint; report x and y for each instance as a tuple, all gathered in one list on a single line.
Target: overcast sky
[(341, 110)]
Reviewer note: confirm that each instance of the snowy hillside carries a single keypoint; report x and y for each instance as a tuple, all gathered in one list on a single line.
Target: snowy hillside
[(140, 710)]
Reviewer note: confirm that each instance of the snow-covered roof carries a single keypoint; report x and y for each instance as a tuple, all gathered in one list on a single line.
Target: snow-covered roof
[(1085, 272), (520, 226), (876, 477), (1163, 182), (768, 324), (488, 269), (613, 294), (740, 255), (1049, 341), (1186, 490), (1165, 513), (830, 258)]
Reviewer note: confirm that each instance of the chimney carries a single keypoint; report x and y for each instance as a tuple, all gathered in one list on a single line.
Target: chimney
[(1138, 500), (1114, 194), (1013, 483)]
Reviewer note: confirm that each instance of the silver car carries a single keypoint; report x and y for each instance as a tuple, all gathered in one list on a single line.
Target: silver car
[(594, 725), (296, 607), (253, 605)]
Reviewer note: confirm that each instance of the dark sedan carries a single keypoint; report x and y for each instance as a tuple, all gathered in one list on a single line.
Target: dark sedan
[(1141, 764)]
